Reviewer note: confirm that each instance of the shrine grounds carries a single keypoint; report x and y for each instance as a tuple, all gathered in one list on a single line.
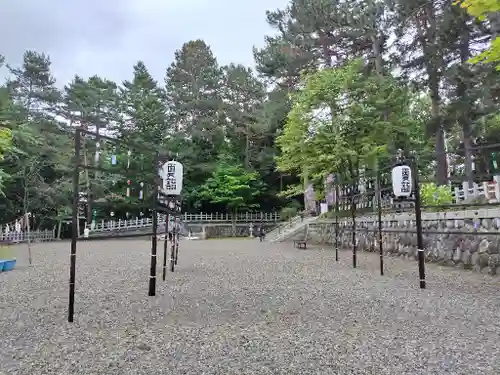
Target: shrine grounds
[(243, 307)]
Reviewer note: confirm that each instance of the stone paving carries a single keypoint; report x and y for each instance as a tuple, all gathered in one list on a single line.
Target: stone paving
[(244, 307)]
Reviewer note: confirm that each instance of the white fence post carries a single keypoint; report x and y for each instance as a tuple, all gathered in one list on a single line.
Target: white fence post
[(457, 195), (496, 179), (486, 191), (465, 188), (475, 190)]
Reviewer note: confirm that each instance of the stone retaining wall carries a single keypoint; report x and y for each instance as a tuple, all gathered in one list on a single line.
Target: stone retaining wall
[(228, 230), (469, 239)]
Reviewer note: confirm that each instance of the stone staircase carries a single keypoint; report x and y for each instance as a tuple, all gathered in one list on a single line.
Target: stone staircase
[(289, 229), (278, 229)]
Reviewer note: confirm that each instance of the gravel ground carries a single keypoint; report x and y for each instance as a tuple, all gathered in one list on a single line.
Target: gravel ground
[(242, 307)]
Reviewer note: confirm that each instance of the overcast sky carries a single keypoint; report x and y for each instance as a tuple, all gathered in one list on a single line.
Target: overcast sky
[(106, 37)]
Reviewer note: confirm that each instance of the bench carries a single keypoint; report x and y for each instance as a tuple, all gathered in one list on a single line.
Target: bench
[(300, 244)]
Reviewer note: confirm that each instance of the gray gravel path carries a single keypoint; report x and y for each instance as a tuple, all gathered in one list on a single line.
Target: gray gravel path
[(242, 307)]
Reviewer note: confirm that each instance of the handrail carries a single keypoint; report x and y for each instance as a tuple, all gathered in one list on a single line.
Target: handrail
[(283, 227), (291, 227), (249, 217)]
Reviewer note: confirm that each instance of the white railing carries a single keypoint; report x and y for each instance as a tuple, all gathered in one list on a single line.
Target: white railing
[(110, 225), (291, 228), (285, 227), (490, 190), (278, 230), (34, 236), (244, 216)]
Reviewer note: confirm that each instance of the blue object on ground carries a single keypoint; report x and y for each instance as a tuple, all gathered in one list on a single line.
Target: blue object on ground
[(9, 265), (2, 263)]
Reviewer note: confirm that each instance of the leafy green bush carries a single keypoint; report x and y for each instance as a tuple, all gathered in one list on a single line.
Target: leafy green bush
[(292, 209), (433, 195), (287, 213)]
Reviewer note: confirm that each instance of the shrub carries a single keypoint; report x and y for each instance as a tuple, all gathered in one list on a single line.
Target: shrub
[(287, 213), (433, 195)]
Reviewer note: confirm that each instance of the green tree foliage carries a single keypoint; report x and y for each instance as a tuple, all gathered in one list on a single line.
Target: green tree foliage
[(433, 195), (231, 187), (37, 165), (144, 108), (5, 147), (485, 10), (5, 141), (338, 120), (192, 86), (242, 98)]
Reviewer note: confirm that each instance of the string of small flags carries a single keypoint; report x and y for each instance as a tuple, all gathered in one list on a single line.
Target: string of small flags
[(114, 161)]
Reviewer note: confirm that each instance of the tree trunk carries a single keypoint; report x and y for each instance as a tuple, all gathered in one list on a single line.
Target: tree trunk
[(325, 48), (354, 184), (462, 94), (379, 67), (28, 232), (494, 19), (425, 23), (305, 175), (25, 215), (377, 54), (87, 177), (90, 195)]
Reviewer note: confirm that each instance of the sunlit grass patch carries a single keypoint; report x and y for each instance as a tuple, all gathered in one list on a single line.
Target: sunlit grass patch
[(7, 252)]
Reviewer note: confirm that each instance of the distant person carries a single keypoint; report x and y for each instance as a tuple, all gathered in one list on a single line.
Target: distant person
[(262, 233)]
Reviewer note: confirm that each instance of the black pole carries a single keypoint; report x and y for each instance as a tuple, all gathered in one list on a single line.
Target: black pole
[(172, 249), (152, 271), (418, 222), (177, 232), (337, 212), (165, 246), (74, 227), (380, 245), (177, 247), (353, 216)]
